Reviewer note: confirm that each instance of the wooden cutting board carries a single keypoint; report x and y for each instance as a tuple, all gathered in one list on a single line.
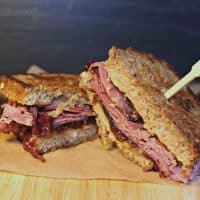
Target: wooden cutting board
[(15, 186)]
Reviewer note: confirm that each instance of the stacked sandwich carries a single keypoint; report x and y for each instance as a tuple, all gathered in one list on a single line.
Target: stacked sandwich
[(46, 111), (51, 111), (132, 113)]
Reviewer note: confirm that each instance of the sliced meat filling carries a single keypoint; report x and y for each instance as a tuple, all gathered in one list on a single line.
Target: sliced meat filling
[(17, 114), (29, 123), (126, 119)]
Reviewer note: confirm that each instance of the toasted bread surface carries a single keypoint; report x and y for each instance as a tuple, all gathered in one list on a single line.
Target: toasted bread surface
[(143, 79), (106, 134), (66, 138), (41, 89)]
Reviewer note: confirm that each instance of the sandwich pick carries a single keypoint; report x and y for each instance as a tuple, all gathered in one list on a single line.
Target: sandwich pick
[(194, 73)]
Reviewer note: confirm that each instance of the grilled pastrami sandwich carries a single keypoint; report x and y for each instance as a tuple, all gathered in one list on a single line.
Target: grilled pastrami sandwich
[(127, 94), (46, 111)]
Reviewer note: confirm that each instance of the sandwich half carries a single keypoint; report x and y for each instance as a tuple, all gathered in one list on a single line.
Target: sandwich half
[(127, 93), (46, 111)]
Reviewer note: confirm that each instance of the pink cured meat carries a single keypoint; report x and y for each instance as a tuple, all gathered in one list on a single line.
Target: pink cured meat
[(18, 114), (114, 102), (29, 123)]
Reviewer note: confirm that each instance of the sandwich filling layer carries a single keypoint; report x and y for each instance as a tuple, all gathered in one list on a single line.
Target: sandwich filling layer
[(31, 122), (125, 119)]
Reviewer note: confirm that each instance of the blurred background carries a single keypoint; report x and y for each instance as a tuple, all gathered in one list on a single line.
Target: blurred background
[(63, 35)]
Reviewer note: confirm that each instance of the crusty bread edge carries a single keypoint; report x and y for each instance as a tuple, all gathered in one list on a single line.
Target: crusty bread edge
[(23, 93), (179, 146), (14, 89), (70, 137), (107, 136)]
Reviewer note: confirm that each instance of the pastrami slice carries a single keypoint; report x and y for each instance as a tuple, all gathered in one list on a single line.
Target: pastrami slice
[(31, 122), (115, 104)]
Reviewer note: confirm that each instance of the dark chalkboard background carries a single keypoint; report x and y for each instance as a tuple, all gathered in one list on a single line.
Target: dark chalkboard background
[(63, 35)]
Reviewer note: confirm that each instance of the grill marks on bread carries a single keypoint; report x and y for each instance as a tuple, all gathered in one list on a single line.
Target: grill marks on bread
[(175, 127), (41, 89)]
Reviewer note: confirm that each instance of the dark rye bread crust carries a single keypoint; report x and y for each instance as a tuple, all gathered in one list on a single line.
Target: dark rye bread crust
[(107, 135), (66, 138), (143, 79), (41, 89)]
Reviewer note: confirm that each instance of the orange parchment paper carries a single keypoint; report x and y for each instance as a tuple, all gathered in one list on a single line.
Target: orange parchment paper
[(85, 161)]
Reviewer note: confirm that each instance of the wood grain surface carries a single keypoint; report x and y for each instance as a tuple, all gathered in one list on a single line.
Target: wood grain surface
[(14, 186)]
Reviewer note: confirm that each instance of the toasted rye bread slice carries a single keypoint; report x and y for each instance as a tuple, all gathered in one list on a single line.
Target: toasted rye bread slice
[(143, 79), (66, 138), (41, 89), (106, 134)]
